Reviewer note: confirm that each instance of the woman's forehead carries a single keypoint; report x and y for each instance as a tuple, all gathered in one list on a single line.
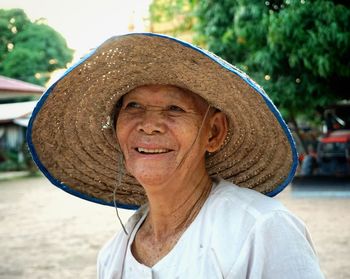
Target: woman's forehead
[(165, 93)]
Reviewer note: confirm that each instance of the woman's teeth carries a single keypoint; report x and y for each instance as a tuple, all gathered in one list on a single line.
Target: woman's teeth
[(151, 151)]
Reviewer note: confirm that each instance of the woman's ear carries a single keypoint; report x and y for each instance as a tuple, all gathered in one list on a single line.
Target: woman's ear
[(218, 131)]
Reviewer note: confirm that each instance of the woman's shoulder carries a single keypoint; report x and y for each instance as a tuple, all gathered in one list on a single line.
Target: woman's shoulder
[(231, 198), (246, 226), (232, 207)]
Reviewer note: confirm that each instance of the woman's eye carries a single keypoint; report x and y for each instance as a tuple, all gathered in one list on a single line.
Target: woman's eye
[(175, 108), (133, 105)]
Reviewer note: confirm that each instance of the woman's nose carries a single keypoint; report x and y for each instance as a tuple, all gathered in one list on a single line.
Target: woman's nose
[(152, 122)]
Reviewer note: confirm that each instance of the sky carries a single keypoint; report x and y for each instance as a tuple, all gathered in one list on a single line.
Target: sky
[(85, 23)]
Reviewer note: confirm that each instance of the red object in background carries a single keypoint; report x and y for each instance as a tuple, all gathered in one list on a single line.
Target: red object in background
[(337, 136)]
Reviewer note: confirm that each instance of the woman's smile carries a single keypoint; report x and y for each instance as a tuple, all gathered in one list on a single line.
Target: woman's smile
[(152, 151)]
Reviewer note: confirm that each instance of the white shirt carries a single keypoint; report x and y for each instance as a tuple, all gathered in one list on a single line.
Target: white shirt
[(238, 234)]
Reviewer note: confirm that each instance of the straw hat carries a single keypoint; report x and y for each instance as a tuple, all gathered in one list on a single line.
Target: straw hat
[(72, 138)]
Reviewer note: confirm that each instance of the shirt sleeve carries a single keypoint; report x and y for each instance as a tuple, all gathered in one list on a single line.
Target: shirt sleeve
[(278, 246)]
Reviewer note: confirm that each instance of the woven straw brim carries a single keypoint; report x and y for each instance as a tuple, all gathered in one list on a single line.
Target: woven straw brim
[(72, 138)]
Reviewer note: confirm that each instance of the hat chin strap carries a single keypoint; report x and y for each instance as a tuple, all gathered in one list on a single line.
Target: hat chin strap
[(195, 140), (118, 183)]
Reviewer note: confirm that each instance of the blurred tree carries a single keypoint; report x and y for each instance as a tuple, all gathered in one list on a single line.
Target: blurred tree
[(298, 50), (30, 51), (173, 17)]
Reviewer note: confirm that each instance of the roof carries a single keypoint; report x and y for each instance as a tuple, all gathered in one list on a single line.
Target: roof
[(14, 85), (13, 111)]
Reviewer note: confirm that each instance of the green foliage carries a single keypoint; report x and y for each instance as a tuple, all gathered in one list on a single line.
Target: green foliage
[(315, 54), (17, 160), (10, 161), (298, 50), (178, 13), (30, 51)]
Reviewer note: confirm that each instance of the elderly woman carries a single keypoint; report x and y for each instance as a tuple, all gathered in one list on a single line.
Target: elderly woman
[(150, 122)]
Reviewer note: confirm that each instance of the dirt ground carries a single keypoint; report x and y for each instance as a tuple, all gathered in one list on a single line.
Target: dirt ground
[(46, 233)]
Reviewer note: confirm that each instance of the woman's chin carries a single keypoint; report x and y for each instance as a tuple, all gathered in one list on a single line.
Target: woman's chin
[(152, 177), (151, 171), (145, 180)]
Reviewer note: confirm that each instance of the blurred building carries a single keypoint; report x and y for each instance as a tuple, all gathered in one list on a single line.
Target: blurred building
[(13, 90), (17, 101)]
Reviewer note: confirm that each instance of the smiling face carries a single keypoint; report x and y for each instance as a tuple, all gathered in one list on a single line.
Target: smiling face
[(164, 132)]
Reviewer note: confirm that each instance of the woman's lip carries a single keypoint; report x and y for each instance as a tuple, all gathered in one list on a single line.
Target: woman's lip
[(152, 156), (152, 150)]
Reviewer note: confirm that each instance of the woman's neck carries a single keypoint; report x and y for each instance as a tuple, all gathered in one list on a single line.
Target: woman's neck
[(173, 210)]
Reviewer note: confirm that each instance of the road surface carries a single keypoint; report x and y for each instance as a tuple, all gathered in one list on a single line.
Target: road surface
[(47, 233)]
